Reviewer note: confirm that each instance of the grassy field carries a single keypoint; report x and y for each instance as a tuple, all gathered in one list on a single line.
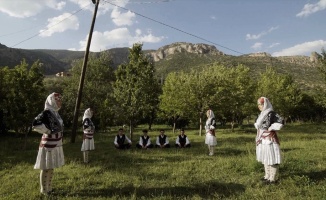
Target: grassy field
[(232, 173)]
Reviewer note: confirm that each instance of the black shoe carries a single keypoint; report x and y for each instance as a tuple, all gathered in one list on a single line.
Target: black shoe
[(272, 182), (264, 179), (268, 182)]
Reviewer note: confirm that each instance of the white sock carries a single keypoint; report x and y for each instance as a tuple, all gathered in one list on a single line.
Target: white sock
[(43, 181), (273, 172), (85, 153), (49, 180), (267, 171), (212, 150)]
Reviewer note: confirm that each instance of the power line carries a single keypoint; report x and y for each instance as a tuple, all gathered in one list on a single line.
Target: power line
[(48, 28), (20, 31), (148, 2), (172, 27), (159, 22)]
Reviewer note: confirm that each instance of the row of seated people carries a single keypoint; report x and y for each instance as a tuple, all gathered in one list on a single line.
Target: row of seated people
[(121, 141)]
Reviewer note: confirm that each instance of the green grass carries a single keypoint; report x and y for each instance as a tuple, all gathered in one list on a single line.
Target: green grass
[(232, 173)]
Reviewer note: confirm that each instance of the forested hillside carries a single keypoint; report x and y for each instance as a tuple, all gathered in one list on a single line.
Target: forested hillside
[(11, 57), (175, 57)]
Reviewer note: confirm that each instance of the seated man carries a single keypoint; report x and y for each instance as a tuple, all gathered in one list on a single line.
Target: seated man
[(144, 141), (182, 140), (162, 140), (119, 140)]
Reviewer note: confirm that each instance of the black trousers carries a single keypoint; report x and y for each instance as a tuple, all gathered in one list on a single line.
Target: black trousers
[(123, 146), (140, 147), (166, 146), (183, 146)]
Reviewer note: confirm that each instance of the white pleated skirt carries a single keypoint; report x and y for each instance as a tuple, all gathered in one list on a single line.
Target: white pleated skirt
[(268, 153), (210, 139), (49, 158), (88, 145)]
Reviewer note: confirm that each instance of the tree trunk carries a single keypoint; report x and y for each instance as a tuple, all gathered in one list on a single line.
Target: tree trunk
[(130, 129), (25, 140), (200, 125), (174, 124), (232, 126)]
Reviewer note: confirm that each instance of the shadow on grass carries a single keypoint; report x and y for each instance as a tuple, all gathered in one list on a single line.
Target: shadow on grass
[(316, 176), (237, 140), (226, 152), (289, 149), (293, 169), (206, 190)]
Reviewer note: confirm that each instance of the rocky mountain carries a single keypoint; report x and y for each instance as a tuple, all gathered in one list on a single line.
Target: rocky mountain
[(181, 47), (175, 57)]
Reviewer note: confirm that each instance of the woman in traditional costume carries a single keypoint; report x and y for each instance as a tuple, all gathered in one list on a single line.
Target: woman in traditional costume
[(267, 143), (88, 129), (50, 154), (210, 138)]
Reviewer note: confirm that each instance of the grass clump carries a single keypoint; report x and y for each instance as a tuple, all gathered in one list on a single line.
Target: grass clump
[(232, 173)]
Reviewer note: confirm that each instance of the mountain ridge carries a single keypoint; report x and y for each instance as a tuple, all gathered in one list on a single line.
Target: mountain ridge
[(174, 57)]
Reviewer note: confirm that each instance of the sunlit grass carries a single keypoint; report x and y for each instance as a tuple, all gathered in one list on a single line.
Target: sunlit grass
[(232, 173)]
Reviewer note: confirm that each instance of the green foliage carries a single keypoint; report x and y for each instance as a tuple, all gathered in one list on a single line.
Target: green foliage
[(193, 82), (304, 73), (136, 89), (23, 95), (322, 69), (174, 96), (232, 173), (96, 92), (4, 89), (227, 91), (322, 63), (54, 84), (12, 57), (281, 90), (309, 109), (237, 88)]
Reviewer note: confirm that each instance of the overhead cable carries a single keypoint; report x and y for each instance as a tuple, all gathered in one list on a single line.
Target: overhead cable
[(172, 27)]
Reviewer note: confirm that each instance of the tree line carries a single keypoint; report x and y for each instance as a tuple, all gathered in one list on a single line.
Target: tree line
[(133, 94)]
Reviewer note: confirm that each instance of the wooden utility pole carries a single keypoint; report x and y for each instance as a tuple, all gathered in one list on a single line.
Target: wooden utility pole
[(82, 76)]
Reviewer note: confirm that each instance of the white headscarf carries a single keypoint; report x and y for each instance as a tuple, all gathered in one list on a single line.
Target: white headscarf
[(87, 114), (50, 103), (210, 114), (266, 109)]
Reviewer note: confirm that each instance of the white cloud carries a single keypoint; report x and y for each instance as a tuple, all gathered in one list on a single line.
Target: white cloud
[(60, 5), (213, 17), (309, 9), (121, 19), (120, 37), (257, 46), (149, 37), (60, 24), (256, 37), (85, 4), (28, 8), (302, 49), (104, 6), (273, 45), (138, 32)]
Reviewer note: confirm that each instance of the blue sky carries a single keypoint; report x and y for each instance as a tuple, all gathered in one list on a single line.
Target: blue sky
[(235, 27)]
